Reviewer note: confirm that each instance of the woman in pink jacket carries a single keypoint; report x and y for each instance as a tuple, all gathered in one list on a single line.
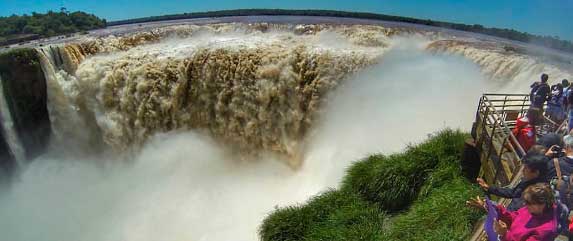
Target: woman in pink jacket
[(536, 221)]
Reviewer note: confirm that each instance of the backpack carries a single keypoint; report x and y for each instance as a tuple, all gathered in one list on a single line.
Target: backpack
[(535, 97), (562, 187)]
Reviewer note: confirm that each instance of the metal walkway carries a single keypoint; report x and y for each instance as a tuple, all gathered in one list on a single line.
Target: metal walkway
[(500, 153)]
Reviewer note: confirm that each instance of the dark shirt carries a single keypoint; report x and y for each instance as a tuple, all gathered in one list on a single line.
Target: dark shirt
[(566, 165), (539, 94), (514, 193)]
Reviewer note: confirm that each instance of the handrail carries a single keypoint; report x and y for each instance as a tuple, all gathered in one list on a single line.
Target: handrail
[(500, 94), (499, 150), (506, 128)]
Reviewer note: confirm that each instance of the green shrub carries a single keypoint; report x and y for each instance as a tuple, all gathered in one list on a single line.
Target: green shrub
[(441, 216), (357, 221), (394, 181), (427, 175), (442, 174), (293, 223), (333, 215), (289, 223)]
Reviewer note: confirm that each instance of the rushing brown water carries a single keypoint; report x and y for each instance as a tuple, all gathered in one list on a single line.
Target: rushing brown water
[(256, 91)]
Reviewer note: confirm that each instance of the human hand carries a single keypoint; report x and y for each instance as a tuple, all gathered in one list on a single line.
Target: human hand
[(550, 152), (476, 203), (482, 184), (500, 227)]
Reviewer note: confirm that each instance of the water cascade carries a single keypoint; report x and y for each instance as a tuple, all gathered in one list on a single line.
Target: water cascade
[(255, 92), (11, 137), (510, 67)]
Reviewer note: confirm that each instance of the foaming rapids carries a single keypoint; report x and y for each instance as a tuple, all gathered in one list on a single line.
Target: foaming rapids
[(510, 68), (254, 91), (185, 185)]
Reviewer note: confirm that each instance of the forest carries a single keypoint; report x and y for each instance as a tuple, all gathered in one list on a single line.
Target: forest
[(37, 25)]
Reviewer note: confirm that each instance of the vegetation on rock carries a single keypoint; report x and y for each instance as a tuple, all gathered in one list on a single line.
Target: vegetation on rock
[(25, 90), (415, 195)]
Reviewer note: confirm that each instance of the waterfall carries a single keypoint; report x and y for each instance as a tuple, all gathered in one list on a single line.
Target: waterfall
[(510, 68), (253, 91), (10, 133), (253, 87)]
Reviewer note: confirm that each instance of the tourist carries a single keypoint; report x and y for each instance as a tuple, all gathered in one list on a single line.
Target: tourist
[(559, 170), (549, 140), (538, 95), (552, 145), (569, 107), (566, 89), (524, 133), (535, 221), (555, 110), (566, 92), (534, 171), (565, 162)]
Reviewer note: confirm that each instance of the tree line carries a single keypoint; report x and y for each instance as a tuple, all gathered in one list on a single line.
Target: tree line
[(546, 41), (22, 28), (48, 24)]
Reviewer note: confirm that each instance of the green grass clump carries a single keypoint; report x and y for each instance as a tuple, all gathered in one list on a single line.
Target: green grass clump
[(441, 216), (358, 221), (289, 223), (394, 181), (333, 215), (423, 188)]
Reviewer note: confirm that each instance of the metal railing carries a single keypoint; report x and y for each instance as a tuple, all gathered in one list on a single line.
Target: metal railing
[(500, 152), (499, 149)]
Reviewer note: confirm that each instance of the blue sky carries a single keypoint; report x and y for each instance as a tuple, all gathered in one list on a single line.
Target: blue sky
[(546, 17)]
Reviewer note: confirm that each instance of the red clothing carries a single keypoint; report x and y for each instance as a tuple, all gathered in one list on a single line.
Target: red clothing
[(524, 133), (522, 226)]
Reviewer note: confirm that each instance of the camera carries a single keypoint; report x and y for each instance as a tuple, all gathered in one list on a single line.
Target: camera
[(557, 149), (557, 152)]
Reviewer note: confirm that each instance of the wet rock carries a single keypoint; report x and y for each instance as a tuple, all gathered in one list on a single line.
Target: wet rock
[(25, 91)]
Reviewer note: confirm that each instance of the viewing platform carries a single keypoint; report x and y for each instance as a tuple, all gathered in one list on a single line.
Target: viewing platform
[(494, 144)]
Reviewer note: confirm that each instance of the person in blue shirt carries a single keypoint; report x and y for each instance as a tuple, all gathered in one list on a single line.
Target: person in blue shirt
[(555, 110)]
